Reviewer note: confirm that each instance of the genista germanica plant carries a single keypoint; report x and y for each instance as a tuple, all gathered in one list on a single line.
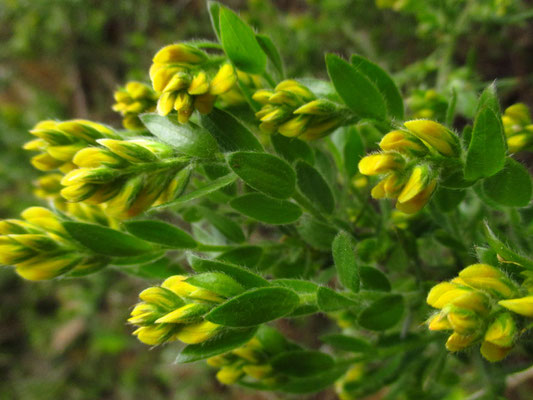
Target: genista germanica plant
[(296, 197)]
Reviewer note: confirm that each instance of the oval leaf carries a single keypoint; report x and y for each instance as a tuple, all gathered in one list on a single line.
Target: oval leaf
[(345, 262), (264, 172), (373, 279), (248, 256), (217, 282), (383, 81), (486, 152), (503, 250), (383, 313), (255, 307), (242, 276), (230, 133), (292, 149), (107, 241), (266, 209), (329, 300), (240, 44), (162, 233), (511, 186), (347, 343), (313, 186), (188, 139), (355, 89)]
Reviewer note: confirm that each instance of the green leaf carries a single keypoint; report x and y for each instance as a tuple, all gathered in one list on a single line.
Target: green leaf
[(489, 99), (240, 44), (313, 383), (448, 199), (217, 282), (505, 251), (292, 149), (511, 186), (266, 209), (214, 15), (301, 363), (107, 241), (486, 152), (202, 191), (383, 313), (316, 233), (225, 341), (188, 139), (345, 262), (229, 132), (384, 83), (353, 150), (255, 307), (248, 256), (347, 343), (373, 279), (313, 186), (241, 275), (298, 285), (162, 233), (264, 172), (225, 225), (329, 300), (143, 258), (272, 53), (355, 89)]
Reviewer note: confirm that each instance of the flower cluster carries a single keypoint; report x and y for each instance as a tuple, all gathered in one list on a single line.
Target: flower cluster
[(133, 99), (48, 187), (58, 142), (128, 175), (183, 84), (175, 311), (40, 248), (473, 305), (294, 111), (251, 362), (407, 163), (518, 127)]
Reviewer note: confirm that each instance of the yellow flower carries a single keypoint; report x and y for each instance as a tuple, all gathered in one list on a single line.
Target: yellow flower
[(229, 374), (376, 164), (522, 306), (402, 142), (502, 331), (416, 203), (458, 342), (436, 135), (197, 333), (493, 352)]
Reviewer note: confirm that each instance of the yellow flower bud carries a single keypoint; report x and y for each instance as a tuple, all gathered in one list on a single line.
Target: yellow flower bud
[(89, 175), (444, 293), (40, 268), (185, 314), (522, 306), (36, 144), (93, 157), (246, 354), (317, 107), (224, 80), (197, 333), (318, 129), (144, 313), (45, 162), (229, 374), (160, 296), (502, 331), (179, 54), (419, 201), (130, 150), (376, 164), (12, 252), (493, 352), (519, 113), (518, 142), (165, 104), (457, 342), (378, 191), (262, 96), (402, 142), (217, 361), (294, 126), (486, 277), (199, 84), (439, 322), (417, 182), (154, 334), (463, 321), (295, 88), (258, 372), (78, 192), (436, 135), (64, 153)]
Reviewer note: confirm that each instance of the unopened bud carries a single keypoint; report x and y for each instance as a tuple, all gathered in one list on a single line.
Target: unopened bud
[(436, 135), (522, 306), (376, 164)]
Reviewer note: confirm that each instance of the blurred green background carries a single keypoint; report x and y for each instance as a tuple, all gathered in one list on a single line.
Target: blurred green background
[(62, 59)]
